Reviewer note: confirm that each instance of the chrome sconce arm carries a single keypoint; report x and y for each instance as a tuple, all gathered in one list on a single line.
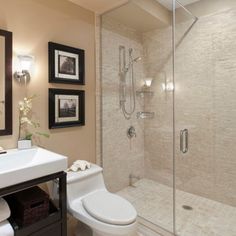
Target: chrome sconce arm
[(22, 76), (25, 63)]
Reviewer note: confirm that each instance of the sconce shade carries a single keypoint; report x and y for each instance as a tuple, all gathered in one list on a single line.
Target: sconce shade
[(26, 62)]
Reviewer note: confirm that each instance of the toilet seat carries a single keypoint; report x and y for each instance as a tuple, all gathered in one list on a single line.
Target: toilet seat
[(109, 208)]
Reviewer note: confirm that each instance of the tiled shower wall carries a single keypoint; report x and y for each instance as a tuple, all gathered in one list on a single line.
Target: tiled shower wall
[(159, 131), (121, 156), (205, 105)]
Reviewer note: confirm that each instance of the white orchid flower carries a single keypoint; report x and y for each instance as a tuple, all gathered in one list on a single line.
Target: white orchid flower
[(25, 109), (24, 120)]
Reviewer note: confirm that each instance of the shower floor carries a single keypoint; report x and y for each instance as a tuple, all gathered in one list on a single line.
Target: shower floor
[(154, 203)]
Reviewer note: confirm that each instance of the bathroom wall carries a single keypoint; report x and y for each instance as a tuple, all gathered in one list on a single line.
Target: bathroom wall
[(98, 92), (205, 60), (159, 131), (121, 156), (34, 23), (205, 105)]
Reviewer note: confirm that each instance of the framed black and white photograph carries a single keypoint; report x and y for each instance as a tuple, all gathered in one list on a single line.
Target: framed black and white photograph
[(66, 64), (66, 108)]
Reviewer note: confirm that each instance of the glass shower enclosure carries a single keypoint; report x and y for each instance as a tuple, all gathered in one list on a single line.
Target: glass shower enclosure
[(205, 102), (168, 107)]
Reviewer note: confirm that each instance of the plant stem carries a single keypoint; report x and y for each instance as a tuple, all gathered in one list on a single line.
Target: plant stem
[(19, 127)]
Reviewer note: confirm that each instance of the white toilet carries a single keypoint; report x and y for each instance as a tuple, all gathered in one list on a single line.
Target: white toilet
[(89, 201)]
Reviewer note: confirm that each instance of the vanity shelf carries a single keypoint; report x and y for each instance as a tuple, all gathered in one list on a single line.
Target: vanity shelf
[(56, 222), (145, 115), (144, 93), (54, 216)]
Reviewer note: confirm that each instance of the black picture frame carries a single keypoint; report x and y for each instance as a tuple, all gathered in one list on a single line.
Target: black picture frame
[(66, 64), (66, 108)]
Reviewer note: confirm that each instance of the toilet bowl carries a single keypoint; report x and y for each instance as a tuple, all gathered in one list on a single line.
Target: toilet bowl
[(89, 201)]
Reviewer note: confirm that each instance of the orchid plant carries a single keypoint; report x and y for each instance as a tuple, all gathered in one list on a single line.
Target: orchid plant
[(25, 115)]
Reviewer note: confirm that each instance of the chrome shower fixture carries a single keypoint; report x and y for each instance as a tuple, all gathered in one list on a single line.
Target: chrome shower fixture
[(131, 132), (137, 59), (131, 60), (127, 83)]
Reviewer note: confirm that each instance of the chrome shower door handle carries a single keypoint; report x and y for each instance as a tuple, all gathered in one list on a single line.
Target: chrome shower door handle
[(184, 141)]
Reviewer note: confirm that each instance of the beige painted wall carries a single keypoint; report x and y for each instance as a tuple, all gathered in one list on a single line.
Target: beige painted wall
[(34, 23)]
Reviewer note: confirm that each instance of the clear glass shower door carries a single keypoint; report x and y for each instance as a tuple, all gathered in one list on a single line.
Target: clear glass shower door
[(205, 115), (137, 126)]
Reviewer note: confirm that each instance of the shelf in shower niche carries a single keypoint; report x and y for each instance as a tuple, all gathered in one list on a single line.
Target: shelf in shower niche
[(145, 115), (144, 93)]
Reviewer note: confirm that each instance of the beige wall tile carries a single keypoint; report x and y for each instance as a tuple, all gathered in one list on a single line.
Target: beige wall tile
[(205, 104), (121, 156)]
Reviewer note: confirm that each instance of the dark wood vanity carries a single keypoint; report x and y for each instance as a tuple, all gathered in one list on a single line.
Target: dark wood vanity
[(54, 222), (53, 225)]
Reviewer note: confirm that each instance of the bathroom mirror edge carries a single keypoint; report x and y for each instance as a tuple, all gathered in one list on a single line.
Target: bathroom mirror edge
[(8, 82)]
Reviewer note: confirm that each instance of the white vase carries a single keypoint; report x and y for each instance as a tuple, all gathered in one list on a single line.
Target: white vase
[(24, 144)]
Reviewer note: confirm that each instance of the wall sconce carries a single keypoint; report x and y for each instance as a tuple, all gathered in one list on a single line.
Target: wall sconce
[(145, 89), (25, 64)]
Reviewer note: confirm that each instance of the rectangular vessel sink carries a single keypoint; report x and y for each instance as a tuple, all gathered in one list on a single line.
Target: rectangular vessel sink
[(17, 166)]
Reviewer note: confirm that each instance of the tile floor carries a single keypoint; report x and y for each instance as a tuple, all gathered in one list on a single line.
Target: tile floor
[(144, 231), (154, 203)]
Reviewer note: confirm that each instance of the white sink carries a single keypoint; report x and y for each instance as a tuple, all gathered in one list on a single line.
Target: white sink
[(17, 166)]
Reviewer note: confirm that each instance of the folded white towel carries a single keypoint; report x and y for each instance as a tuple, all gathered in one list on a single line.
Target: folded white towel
[(2, 151), (6, 229), (5, 211), (79, 165)]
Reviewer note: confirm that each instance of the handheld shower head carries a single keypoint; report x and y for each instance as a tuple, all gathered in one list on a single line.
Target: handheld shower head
[(137, 59)]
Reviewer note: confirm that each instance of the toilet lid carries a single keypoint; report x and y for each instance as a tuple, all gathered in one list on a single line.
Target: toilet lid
[(109, 208)]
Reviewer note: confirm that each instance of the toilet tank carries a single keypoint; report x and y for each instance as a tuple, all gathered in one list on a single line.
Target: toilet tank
[(82, 183)]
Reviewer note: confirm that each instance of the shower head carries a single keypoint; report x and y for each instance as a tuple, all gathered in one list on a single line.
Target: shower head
[(137, 59)]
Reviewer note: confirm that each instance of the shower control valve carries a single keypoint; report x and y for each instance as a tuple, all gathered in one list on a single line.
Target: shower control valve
[(131, 132)]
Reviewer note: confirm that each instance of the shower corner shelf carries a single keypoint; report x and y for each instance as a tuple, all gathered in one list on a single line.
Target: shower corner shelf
[(145, 115), (144, 93)]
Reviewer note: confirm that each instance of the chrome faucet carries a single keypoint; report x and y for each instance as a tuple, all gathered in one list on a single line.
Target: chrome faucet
[(132, 178), (131, 132)]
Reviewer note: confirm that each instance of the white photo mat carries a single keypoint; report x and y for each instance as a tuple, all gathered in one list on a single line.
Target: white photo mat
[(66, 119), (66, 54)]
